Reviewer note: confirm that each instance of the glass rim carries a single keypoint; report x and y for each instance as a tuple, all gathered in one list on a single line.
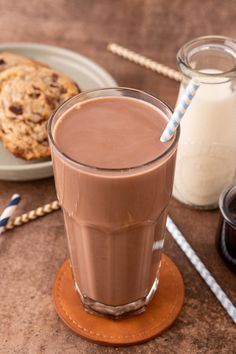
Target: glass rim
[(181, 61), (102, 169), (223, 204)]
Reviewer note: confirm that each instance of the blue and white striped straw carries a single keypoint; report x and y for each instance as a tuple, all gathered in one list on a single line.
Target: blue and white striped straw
[(8, 211), (179, 111), (202, 270)]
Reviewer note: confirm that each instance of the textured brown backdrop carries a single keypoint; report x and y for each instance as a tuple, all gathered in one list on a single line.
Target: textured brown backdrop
[(31, 255)]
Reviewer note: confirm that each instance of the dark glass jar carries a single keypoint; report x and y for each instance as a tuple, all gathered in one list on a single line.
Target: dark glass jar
[(226, 234)]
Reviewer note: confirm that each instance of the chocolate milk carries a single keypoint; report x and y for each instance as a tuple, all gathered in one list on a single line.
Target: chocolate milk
[(114, 182)]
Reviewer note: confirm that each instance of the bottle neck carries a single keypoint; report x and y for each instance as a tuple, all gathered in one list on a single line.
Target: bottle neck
[(210, 59)]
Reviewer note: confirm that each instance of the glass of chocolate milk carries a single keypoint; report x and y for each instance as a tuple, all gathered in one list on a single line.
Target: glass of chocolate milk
[(114, 181)]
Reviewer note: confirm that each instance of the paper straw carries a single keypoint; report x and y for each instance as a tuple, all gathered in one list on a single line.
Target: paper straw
[(202, 270), (32, 215), (8, 211), (179, 111), (144, 61)]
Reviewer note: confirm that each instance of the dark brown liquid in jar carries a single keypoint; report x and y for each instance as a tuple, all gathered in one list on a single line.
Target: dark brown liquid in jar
[(227, 236)]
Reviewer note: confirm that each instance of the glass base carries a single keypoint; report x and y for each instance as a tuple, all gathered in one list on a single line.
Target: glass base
[(117, 312)]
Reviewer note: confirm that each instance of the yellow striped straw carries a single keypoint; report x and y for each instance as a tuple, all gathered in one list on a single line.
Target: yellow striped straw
[(144, 61), (32, 215)]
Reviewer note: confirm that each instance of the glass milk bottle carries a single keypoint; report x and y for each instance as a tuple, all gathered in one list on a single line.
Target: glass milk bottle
[(206, 158)]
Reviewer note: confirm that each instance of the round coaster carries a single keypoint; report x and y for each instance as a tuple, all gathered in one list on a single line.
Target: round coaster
[(160, 314)]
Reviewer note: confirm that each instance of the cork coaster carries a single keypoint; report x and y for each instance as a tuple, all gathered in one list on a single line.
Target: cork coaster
[(160, 314)]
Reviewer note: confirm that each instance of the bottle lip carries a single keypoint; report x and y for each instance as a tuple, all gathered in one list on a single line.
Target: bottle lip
[(228, 45)]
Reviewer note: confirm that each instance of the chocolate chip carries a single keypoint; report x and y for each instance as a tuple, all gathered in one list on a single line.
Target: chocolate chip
[(18, 152), (2, 62), (54, 77), (63, 90), (53, 85), (16, 108), (50, 101), (34, 94)]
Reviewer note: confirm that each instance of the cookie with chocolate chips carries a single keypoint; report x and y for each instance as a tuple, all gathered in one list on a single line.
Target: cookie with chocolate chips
[(28, 96), (9, 60)]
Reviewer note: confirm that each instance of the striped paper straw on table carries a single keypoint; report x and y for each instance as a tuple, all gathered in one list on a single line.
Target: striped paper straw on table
[(179, 111), (32, 215), (8, 211), (202, 270), (144, 61)]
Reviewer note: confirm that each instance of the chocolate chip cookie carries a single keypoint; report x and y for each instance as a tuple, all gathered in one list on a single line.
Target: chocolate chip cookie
[(28, 96), (8, 60)]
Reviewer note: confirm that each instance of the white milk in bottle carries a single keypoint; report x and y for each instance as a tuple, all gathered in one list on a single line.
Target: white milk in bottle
[(206, 159)]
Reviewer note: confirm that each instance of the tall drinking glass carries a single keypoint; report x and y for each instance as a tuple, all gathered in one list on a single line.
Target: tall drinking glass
[(114, 216)]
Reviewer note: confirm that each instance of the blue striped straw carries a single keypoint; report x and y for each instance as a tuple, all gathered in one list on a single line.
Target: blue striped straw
[(202, 270), (8, 211), (179, 111)]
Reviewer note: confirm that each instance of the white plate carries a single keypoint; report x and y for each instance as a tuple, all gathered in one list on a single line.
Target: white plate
[(85, 72)]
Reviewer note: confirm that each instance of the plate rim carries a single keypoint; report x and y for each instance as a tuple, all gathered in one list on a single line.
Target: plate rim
[(64, 51)]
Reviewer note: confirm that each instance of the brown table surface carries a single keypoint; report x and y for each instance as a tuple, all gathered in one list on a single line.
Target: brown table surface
[(31, 255)]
